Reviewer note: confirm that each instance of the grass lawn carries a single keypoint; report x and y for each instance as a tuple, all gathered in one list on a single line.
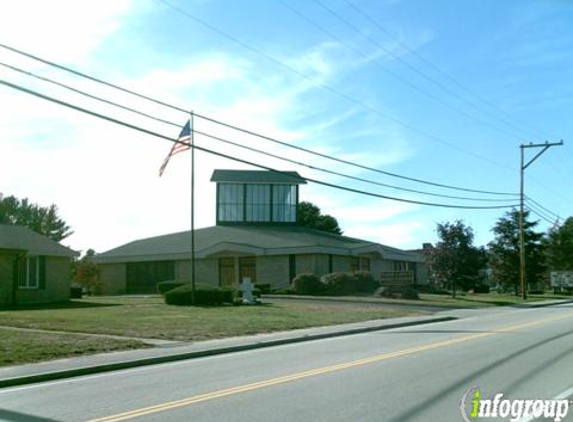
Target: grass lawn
[(151, 318), (19, 347), (464, 300)]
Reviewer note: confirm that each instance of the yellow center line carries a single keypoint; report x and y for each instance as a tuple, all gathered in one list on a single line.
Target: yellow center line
[(315, 372)]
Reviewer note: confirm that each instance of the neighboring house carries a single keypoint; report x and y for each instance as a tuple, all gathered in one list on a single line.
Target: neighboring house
[(33, 268), (256, 236)]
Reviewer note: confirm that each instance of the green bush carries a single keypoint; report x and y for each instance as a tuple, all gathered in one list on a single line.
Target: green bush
[(205, 294), (306, 284), (365, 282), (402, 292), (164, 286), (338, 284), (264, 288)]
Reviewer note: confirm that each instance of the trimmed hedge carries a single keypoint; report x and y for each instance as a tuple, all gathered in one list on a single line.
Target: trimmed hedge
[(164, 286), (365, 282), (306, 284), (205, 294), (264, 288), (338, 284)]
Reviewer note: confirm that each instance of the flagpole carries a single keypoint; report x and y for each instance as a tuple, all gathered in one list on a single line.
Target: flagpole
[(192, 136)]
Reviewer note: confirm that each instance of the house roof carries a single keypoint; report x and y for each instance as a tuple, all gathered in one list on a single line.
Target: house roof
[(23, 239), (257, 176), (258, 240)]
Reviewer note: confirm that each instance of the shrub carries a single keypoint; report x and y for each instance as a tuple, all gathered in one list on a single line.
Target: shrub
[(306, 284), (205, 294), (403, 292), (340, 283), (76, 291), (365, 282), (264, 288), (409, 293), (165, 286), (481, 288)]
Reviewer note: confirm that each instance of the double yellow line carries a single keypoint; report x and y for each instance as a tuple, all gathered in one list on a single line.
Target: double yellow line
[(315, 372)]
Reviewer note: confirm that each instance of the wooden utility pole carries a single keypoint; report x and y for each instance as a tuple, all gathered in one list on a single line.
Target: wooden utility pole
[(523, 166)]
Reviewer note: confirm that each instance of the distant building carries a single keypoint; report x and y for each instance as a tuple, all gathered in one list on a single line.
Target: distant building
[(33, 268), (256, 236)]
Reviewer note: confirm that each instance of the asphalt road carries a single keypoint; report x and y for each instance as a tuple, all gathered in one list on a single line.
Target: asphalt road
[(410, 374)]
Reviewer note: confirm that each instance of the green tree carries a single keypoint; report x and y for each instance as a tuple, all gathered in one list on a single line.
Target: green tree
[(43, 220), (86, 274), (504, 251), (309, 215), (455, 260), (559, 243)]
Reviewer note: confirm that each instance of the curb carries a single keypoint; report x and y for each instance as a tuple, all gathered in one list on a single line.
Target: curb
[(543, 304), (89, 370)]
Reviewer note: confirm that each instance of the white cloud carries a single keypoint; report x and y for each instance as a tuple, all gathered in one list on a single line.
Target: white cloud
[(104, 178), (67, 29)]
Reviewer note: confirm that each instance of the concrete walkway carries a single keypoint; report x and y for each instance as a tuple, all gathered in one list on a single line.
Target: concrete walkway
[(151, 341)]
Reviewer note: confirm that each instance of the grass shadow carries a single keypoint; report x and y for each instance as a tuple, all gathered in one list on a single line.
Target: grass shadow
[(72, 304)]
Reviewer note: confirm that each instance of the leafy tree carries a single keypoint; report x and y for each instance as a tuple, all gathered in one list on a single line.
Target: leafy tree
[(559, 244), (43, 220), (309, 215), (504, 251), (86, 273), (455, 259)]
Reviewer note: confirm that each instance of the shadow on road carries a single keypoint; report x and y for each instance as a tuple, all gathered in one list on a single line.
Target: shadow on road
[(10, 416), (463, 383)]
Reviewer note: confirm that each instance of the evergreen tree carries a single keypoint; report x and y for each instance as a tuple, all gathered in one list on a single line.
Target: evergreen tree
[(504, 251)]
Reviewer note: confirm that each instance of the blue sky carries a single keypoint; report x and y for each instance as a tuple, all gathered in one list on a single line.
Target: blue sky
[(444, 91)]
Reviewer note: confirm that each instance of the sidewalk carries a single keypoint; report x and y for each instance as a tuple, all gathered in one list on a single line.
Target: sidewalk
[(85, 365)]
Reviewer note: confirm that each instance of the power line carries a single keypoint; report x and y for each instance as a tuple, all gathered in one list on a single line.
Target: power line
[(405, 63), (158, 135), (133, 110), (219, 122), (329, 88), (540, 215), (530, 199), (446, 75)]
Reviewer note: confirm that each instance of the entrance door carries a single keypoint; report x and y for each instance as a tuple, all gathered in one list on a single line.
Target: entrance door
[(226, 271), (248, 268)]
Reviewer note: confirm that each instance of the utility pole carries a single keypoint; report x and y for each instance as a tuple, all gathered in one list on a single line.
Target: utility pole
[(523, 166)]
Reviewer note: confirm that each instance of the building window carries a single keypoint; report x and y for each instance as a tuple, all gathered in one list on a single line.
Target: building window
[(284, 203), (248, 268), (365, 264), (403, 266), (231, 202), (258, 201), (226, 271), (32, 274), (354, 264)]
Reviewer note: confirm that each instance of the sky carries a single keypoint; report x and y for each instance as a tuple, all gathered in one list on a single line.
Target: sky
[(442, 91)]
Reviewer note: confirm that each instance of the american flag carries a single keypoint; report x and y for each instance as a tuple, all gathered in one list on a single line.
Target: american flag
[(183, 144)]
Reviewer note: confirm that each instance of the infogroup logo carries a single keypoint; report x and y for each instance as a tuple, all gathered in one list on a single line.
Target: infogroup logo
[(474, 406)]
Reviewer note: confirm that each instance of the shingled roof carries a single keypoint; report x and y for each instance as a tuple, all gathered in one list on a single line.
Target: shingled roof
[(257, 176), (257, 240), (23, 239)]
